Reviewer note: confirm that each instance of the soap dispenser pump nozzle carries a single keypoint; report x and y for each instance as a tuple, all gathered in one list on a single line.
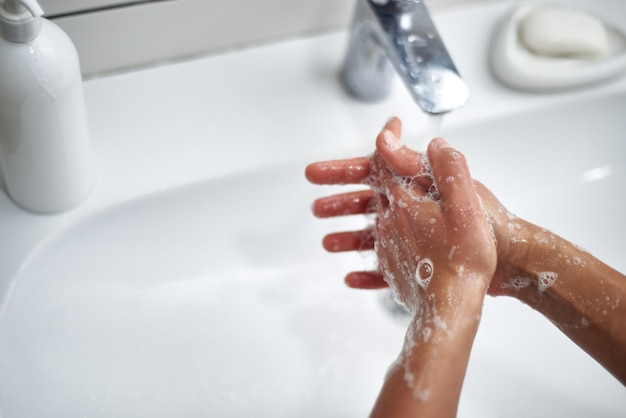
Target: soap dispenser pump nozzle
[(20, 20)]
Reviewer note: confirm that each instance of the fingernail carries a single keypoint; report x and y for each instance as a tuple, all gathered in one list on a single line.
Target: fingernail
[(441, 143), (392, 141)]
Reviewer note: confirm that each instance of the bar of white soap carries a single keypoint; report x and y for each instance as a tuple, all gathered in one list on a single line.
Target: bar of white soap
[(561, 32)]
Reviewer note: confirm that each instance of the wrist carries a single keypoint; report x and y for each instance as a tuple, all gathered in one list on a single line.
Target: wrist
[(451, 301), (541, 257), (541, 260), (518, 250)]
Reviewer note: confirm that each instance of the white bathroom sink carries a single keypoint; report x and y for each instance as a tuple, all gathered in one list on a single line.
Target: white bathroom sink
[(192, 282), (209, 300)]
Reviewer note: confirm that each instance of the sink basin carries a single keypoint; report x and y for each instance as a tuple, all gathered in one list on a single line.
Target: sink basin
[(185, 304), (216, 299), (192, 282)]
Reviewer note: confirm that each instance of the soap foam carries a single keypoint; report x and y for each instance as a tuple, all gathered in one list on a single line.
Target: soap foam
[(520, 282), (546, 279)]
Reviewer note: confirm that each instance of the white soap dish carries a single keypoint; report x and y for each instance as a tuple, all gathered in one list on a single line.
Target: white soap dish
[(516, 66)]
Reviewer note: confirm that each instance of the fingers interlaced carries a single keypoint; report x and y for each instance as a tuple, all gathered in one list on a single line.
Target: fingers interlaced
[(392, 162)]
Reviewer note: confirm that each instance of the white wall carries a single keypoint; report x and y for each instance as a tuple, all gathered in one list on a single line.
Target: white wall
[(151, 32), (55, 7)]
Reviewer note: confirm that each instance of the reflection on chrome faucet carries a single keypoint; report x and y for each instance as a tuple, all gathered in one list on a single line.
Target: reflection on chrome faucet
[(400, 33)]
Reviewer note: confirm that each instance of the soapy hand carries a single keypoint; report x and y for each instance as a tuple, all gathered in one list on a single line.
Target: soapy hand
[(428, 224), (393, 162), (436, 250), (434, 237)]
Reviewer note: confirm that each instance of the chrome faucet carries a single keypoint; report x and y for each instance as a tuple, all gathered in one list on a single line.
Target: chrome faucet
[(400, 32)]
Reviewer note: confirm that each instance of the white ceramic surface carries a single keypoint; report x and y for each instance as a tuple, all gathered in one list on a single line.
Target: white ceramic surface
[(192, 282), (520, 68)]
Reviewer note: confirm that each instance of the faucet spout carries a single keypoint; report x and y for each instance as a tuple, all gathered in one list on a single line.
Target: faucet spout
[(400, 34)]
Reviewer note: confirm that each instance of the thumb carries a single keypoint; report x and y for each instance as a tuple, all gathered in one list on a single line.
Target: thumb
[(452, 177)]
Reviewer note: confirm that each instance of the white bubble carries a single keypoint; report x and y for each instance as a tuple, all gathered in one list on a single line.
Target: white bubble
[(452, 251), (426, 333), (520, 282), (511, 216), (424, 272), (546, 279), (433, 193), (516, 239)]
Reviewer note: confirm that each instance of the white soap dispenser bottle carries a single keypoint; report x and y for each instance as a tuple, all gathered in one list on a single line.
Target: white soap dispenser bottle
[(45, 153)]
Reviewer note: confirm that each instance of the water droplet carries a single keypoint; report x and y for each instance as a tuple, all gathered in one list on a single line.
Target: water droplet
[(416, 41)]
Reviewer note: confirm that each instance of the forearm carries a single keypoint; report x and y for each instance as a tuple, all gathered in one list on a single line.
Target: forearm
[(426, 379), (582, 296)]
